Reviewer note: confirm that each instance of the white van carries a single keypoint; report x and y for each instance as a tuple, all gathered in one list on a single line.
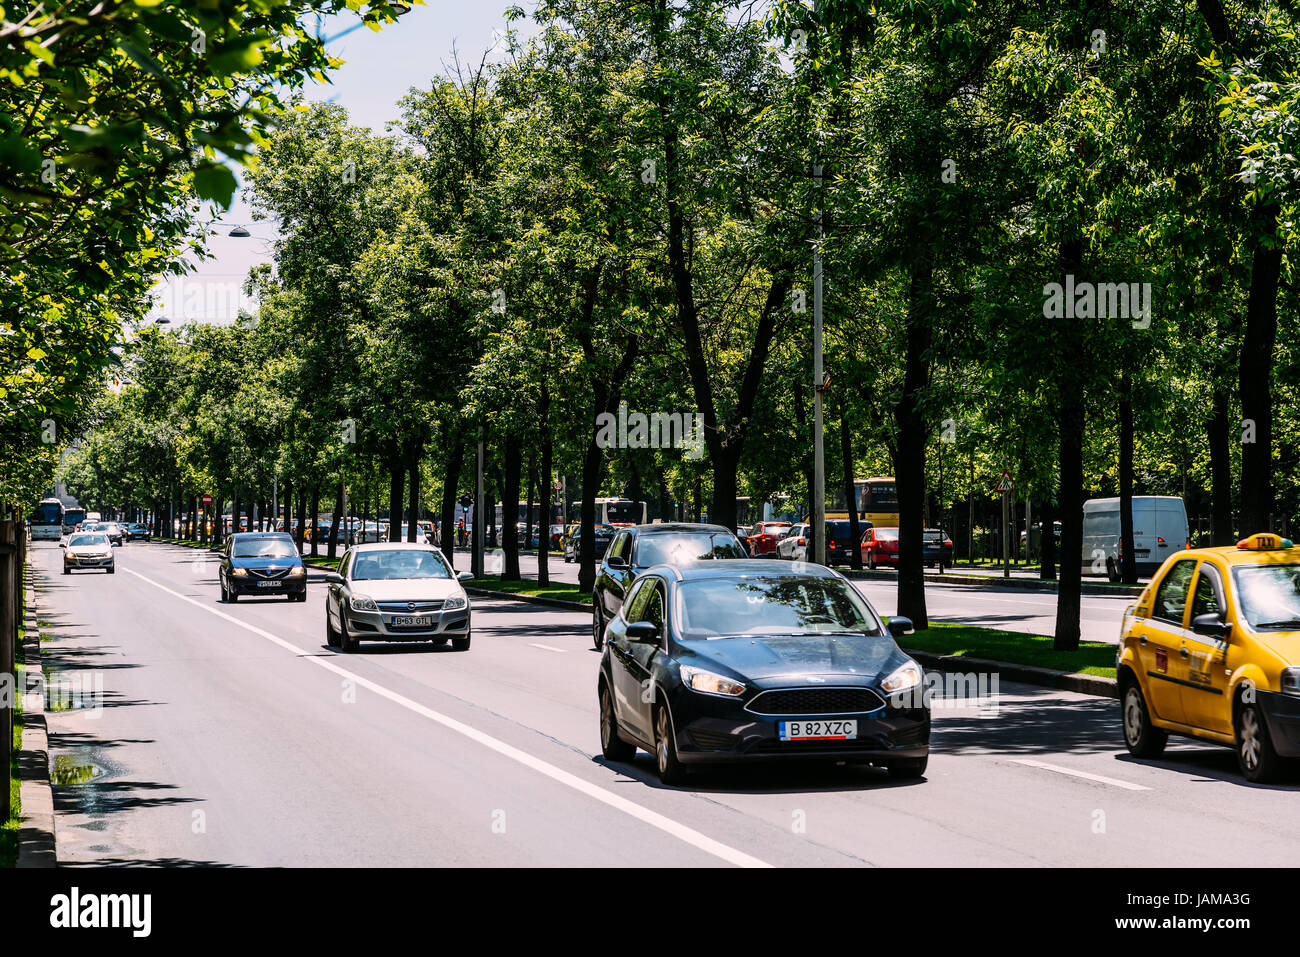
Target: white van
[(1159, 530)]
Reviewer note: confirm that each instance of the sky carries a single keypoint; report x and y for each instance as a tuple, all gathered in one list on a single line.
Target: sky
[(379, 69)]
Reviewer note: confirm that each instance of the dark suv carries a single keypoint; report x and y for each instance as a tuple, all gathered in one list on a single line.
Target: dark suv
[(635, 549), (262, 563)]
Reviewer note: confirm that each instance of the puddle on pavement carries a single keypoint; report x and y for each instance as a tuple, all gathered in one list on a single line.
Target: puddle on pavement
[(70, 770)]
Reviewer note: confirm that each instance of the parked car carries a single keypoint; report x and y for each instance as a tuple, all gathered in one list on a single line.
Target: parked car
[(765, 537), (138, 530), (794, 547), (261, 563), (751, 661), (87, 550), (362, 533), (396, 591), (880, 547), (936, 547), (641, 547), (604, 534)]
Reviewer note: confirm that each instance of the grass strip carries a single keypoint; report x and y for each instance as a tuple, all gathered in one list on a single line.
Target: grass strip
[(1013, 647)]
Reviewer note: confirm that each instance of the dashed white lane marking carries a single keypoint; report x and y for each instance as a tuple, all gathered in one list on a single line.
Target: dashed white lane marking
[(1099, 778), (548, 647), (680, 831)]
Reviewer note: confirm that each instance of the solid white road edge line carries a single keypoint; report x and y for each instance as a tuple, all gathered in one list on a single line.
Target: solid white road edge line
[(1101, 779), (548, 647), (680, 831)]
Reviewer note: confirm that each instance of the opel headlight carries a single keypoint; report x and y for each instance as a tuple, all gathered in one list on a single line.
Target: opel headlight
[(907, 676), (362, 603), (1291, 681), (239, 572), (297, 572), (454, 604), (707, 682)]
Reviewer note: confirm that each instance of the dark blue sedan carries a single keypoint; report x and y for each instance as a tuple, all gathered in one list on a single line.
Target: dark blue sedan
[(748, 661), (263, 564)]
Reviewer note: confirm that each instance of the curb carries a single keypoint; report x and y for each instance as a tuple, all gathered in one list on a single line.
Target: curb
[(36, 837), (1032, 584), (1028, 674), (530, 599)]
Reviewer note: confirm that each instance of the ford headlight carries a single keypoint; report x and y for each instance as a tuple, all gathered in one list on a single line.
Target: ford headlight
[(455, 604), (707, 682), (907, 676), (362, 603)]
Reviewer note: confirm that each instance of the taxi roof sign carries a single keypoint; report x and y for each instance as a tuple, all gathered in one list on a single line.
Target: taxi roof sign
[(1263, 542)]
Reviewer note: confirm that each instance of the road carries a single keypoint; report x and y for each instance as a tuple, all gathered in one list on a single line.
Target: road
[(231, 735)]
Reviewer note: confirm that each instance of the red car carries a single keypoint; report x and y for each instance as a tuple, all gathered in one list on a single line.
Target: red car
[(765, 537), (880, 547)]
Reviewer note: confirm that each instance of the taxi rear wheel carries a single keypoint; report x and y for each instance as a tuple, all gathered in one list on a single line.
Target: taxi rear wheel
[(1256, 756), (1143, 739)]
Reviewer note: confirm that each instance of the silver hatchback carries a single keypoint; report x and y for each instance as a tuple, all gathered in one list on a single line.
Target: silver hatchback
[(396, 591)]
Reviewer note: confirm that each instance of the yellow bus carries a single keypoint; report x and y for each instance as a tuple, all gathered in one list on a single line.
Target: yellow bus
[(877, 501)]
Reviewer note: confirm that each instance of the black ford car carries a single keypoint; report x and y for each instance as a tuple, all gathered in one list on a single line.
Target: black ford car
[(635, 549), (748, 661), (262, 563)]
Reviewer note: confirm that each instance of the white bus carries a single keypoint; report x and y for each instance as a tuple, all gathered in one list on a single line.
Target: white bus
[(613, 511), (47, 521)]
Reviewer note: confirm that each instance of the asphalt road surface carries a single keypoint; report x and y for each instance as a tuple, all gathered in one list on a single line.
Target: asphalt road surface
[(231, 735)]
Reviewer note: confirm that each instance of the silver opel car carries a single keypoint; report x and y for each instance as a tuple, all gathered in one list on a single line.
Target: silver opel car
[(396, 591)]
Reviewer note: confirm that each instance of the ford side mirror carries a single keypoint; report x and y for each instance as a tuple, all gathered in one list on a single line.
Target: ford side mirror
[(1211, 625), (616, 561), (900, 626), (643, 631), (464, 576)]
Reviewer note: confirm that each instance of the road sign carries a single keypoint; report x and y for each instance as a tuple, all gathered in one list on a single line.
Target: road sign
[(207, 499), (1004, 484), (557, 487)]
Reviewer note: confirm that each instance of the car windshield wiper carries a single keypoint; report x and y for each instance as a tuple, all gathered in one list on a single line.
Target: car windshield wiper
[(1284, 623)]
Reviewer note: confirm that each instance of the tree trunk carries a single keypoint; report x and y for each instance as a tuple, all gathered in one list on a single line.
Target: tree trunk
[(1256, 376), (336, 526), (1047, 539), (396, 473), (544, 533), (591, 467), (315, 511), (1221, 531), (450, 482), (850, 499), (510, 509), (300, 538), (912, 439), (413, 492), (1128, 557)]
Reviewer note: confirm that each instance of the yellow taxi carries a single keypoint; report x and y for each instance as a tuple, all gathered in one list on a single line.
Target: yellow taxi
[(1211, 650)]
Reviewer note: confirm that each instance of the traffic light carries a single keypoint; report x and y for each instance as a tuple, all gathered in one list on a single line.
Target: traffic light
[(466, 501)]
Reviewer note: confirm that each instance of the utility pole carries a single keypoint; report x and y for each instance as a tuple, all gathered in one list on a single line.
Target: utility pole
[(819, 385)]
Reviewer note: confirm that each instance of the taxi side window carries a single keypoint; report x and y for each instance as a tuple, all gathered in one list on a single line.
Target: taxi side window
[(1206, 599), (1171, 598)]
